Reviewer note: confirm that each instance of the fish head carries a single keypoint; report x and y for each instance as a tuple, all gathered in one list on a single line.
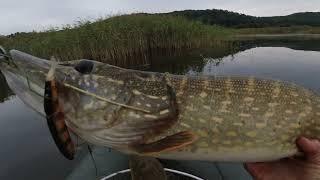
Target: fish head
[(101, 103), (120, 107), (26, 75)]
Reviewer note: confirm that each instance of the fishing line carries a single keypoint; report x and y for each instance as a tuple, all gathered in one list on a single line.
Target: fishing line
[(94, 162), (219, 171), (29, 85)]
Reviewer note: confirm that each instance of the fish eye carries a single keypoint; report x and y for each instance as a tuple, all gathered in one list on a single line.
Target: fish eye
[(84, 67)]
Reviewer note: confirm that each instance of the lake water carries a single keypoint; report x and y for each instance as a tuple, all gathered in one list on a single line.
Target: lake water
[(28, 152)]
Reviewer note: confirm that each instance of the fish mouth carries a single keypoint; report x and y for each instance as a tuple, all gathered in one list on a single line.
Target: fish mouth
[(2, 53), (25, 75), (23, 64), (30, 62), (26, 69)]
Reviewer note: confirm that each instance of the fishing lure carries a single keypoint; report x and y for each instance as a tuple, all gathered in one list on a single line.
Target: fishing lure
[(55, 116)]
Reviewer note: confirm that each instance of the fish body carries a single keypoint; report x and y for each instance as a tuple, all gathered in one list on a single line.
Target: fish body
[(183, 117), (244, 119)]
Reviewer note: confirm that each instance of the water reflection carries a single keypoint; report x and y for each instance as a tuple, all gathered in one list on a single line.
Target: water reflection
[(189, 61), (292, 43), (289, 59), (26, 143), (5, 91)]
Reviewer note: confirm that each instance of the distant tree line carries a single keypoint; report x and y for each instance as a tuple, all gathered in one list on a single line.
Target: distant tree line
[(237, 20)]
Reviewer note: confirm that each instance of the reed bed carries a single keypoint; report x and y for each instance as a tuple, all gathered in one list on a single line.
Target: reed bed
[(122, 40)]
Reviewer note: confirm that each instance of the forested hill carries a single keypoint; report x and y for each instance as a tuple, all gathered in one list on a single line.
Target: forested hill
[(237, 20)]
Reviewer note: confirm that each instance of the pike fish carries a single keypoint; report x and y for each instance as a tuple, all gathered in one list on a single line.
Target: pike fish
[(211, 118)]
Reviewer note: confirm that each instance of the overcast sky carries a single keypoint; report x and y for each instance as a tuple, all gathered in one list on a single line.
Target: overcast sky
[(28, 15)]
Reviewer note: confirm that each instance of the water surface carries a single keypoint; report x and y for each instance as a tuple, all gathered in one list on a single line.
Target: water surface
[(287, 60)]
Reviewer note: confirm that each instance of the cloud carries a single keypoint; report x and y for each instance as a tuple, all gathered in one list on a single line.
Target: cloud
[(18, 16)]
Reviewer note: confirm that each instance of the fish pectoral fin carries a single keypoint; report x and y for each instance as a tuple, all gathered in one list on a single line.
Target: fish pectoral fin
[(168, 143)]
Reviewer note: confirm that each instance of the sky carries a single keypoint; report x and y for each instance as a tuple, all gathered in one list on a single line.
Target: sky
[(28, 15)]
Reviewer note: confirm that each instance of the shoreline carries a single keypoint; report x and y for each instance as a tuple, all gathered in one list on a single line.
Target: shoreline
[(278, 35)]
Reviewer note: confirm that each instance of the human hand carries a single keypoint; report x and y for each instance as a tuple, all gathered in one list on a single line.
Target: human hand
[(294, 168)]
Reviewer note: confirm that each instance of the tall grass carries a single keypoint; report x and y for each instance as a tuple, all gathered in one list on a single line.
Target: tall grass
[(121, 40)]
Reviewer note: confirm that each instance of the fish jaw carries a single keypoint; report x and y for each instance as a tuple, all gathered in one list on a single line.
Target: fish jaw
[(26, 74), (26, 62), (24, 79)]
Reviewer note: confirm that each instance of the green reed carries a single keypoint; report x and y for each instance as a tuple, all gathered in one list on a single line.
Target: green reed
[(120, 40)]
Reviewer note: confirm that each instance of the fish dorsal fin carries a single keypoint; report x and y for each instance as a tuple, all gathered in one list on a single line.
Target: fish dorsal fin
[(168, 143)]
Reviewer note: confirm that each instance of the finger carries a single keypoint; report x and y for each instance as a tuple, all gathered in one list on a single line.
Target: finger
[(311, 148), (257, 170)]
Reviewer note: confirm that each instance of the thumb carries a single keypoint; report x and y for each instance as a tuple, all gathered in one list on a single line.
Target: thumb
[(311, 149)]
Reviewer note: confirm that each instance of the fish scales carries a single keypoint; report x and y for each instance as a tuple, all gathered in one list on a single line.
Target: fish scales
[(235, 116)]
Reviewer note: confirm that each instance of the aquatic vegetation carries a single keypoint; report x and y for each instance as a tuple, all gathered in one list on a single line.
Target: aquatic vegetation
[(122, 40)]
